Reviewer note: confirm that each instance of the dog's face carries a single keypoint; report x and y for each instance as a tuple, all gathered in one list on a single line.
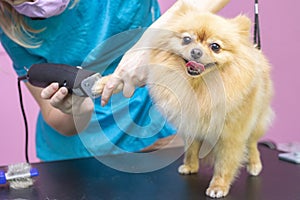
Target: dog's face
[(206, 42), (196, 55)]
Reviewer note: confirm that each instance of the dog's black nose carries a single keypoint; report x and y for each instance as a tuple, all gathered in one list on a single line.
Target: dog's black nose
[(196, 53)]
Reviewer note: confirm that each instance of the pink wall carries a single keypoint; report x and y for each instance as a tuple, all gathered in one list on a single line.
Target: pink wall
[(279, 31), (12, 136)]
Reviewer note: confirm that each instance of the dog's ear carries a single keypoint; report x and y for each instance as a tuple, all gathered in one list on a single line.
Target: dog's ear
[(243, 24)]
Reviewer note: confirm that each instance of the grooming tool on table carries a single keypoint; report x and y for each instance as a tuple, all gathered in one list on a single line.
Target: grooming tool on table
[(293, 157), (289, 152), (18, 175), (77, 80)]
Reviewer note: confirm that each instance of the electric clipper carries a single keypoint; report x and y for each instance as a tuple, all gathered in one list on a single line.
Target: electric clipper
[(78, 81)]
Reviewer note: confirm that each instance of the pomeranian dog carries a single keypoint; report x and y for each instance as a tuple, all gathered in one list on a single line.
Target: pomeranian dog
[(214, 86)]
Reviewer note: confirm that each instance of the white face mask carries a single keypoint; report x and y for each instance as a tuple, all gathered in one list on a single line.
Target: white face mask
[(42, 8)]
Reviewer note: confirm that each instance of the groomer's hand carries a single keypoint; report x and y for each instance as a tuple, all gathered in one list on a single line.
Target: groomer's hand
[(130, 73), (65, 102)]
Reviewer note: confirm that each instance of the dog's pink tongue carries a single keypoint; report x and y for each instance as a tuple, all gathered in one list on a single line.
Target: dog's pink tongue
[(195, 66)]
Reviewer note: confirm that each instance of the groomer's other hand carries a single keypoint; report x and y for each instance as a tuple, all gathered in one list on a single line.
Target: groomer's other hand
[(69, 104), (130, 73)]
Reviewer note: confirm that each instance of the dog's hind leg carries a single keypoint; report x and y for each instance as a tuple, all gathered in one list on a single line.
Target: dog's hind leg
[(254, 165)]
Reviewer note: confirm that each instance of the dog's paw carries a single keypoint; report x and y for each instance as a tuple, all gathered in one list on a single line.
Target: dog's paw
[(217, 191), (254, 169), (186, 169), (99, 85)]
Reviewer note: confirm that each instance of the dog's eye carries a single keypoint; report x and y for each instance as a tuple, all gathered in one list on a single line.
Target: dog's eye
[(215, 47), (186, 40)]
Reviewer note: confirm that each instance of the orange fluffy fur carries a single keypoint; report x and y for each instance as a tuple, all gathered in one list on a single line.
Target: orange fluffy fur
[(231, 123), (221, 112)]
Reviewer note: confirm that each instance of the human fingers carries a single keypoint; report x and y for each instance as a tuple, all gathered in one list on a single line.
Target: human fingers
[(49, 91), (58, 100), (128, 89)]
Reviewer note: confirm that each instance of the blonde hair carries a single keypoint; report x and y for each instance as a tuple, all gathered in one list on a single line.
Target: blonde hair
[(13, 25)]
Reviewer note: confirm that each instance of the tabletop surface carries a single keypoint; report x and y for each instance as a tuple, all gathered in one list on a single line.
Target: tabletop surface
[(90, 179)]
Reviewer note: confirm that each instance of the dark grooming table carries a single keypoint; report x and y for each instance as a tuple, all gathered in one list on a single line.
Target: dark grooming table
[(89, 179)]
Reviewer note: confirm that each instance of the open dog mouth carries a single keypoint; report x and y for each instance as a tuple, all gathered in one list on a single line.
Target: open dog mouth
[(195, 68)]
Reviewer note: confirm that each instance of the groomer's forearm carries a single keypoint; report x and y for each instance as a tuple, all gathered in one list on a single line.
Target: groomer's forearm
[(65, 124), (213, 6), (202, 5)]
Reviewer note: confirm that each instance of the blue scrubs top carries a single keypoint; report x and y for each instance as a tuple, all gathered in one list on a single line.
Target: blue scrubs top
[(95, 34)]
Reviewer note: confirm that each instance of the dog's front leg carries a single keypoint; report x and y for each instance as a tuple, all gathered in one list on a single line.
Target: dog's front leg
[(229, 158), (191, 158)]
